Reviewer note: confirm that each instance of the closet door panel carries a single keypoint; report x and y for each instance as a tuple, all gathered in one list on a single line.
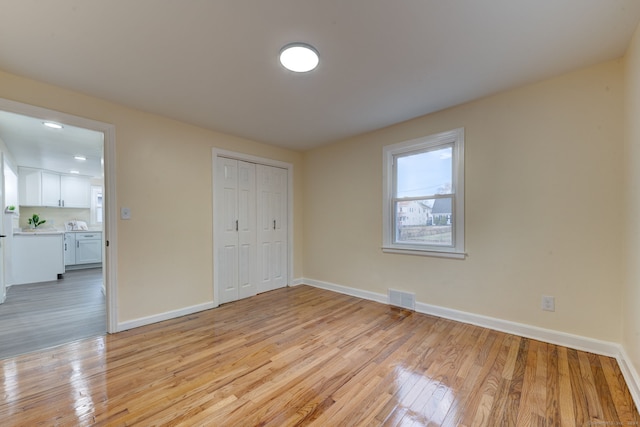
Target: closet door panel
[(272, 231), (279, 236), (229, 274), (236, 234), (245, 281), (247, 229), (227, 178), (265, 271)]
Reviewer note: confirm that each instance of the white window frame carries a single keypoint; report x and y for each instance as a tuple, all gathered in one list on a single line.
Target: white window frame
[(95, 191), (454, 137)]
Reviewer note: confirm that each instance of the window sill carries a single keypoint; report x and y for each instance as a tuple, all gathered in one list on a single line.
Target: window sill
[(437, 254)]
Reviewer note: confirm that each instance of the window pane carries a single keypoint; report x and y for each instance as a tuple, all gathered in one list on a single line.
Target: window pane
[(425, 174), (427, 222)]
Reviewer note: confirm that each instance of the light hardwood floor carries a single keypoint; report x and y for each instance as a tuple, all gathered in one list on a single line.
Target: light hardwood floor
[(41, 315), (304, 356)]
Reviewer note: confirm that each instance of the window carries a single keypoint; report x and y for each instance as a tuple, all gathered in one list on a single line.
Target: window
[(423, 198), (96, 205)]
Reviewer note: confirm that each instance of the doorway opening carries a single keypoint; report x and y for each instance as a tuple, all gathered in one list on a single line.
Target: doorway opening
[(65, 176)]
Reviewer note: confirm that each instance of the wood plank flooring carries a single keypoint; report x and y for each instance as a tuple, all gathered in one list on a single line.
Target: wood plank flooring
[(41, 315), (305, 356)]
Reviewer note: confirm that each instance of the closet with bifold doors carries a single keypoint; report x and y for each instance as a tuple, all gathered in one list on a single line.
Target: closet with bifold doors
[(250, 235)]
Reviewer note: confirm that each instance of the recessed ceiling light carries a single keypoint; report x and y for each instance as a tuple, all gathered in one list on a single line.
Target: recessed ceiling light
[(74, 172), (52, 125), (80, 157), (299, 57)]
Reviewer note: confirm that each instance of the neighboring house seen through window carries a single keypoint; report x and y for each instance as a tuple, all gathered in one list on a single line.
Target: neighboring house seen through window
[(424, 196)]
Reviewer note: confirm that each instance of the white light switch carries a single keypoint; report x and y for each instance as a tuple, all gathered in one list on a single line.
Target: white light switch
[(125, 213)]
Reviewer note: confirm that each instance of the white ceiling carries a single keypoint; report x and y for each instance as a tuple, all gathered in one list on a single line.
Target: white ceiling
[(34, 145), (214, 63)]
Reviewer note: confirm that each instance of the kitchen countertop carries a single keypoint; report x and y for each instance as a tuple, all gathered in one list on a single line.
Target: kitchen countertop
[(41, 232), (36, 233)]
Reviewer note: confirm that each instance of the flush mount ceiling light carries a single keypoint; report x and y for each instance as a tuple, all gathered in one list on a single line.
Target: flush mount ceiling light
[(299, 57), (80, 157), (52, 125)]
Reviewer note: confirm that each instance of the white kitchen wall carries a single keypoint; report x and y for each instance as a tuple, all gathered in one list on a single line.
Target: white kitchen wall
[(10, 185), (56, 217)]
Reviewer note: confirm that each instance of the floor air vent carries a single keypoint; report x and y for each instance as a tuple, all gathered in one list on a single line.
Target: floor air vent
[(402, 299)]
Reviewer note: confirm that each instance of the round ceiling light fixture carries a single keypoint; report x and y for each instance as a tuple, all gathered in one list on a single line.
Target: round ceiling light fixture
[(52, 125), (299, 57)]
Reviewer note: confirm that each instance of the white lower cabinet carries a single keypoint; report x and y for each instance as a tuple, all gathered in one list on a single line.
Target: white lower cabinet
[(88, 248), (83, 248), (69, 248), (37, 257)]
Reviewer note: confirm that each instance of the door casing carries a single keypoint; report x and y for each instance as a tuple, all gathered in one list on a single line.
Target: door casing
[(109, 232)]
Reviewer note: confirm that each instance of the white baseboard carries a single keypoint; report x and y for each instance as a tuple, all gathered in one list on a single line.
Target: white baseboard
[(550, 336), (368, 295), (142, 321), (630, 374), (605, 348)]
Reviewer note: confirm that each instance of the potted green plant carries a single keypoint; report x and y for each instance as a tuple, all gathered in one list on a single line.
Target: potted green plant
[(10, 209), (35, 220)]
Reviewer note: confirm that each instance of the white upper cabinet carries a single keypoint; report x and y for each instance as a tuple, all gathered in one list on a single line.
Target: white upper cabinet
[(51, 189), (30, 187), (75, 191), (45, 188)]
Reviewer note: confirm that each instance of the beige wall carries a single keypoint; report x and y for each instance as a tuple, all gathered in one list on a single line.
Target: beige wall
[(543, 207), (631, 296), (164, 176)]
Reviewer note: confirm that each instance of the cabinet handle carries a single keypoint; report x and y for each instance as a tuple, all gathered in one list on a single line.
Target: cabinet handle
[(236, 225), (274, 224), (65, 246), (77, 244)]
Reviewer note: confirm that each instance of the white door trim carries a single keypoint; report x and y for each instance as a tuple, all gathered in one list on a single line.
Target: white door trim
[(110, 234), (217, 152)]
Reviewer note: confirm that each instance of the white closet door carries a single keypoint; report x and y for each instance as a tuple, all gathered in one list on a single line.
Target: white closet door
[(236, 243), (247, 230), (272, 228), (227, 240)]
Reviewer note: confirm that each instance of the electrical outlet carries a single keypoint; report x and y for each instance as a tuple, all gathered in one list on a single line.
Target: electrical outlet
[(548, 303)]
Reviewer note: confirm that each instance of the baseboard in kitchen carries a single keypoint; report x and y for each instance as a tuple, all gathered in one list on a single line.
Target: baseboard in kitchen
[(82, 266)]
